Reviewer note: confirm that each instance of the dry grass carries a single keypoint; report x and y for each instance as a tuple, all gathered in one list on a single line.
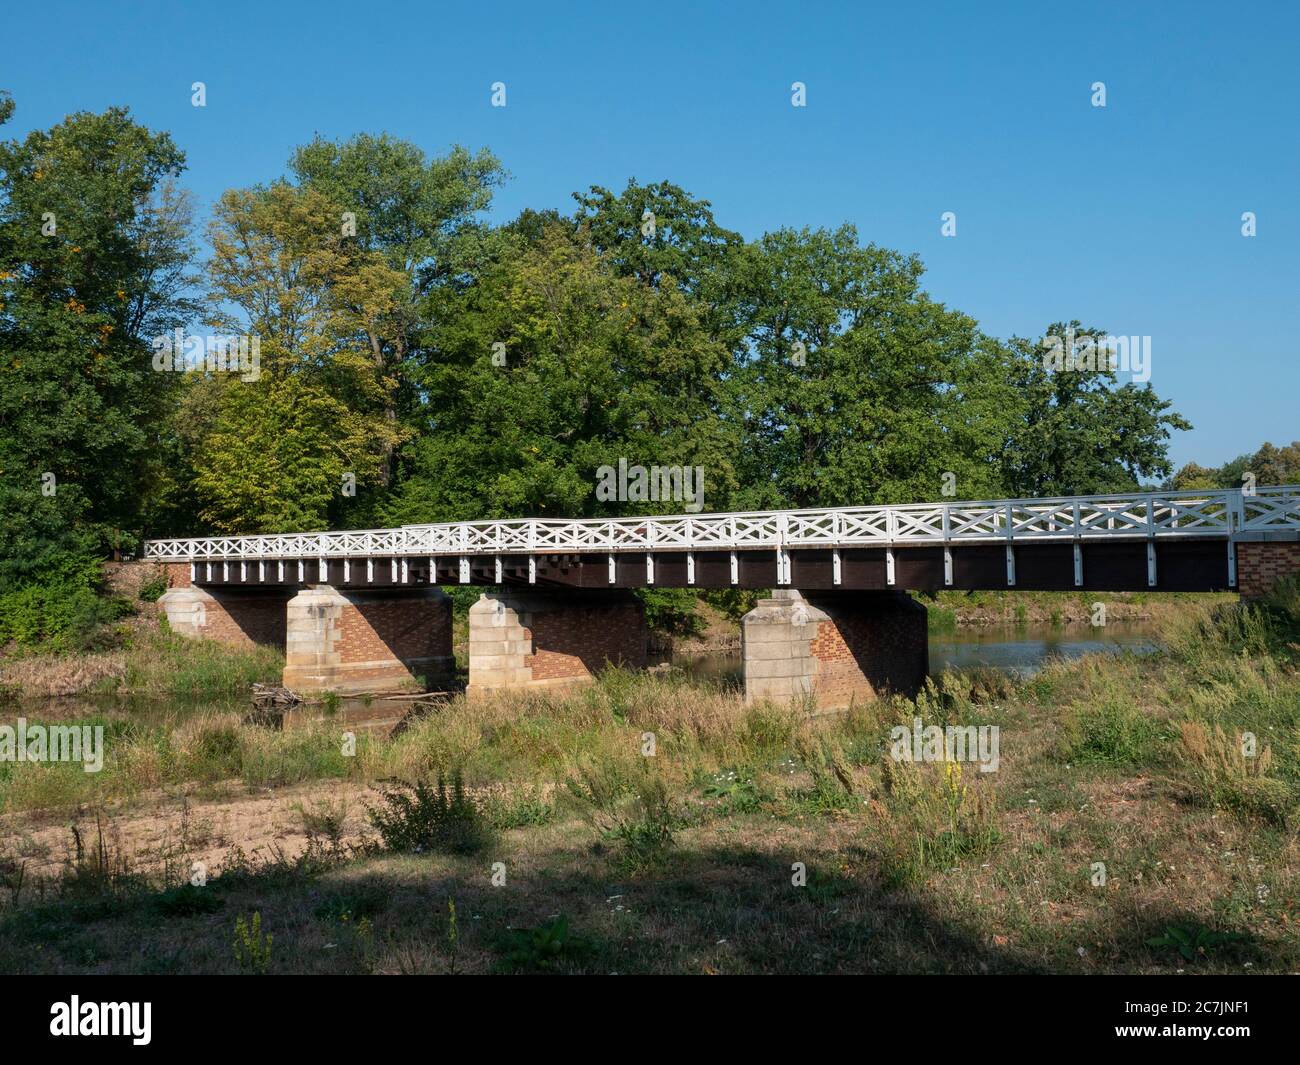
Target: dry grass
[(755, 839)]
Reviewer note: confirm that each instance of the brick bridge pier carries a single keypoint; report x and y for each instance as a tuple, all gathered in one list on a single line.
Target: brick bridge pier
[(349, 640), (362, 610)]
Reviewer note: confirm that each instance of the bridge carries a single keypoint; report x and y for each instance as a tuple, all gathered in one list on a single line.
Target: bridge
[(362, 608)]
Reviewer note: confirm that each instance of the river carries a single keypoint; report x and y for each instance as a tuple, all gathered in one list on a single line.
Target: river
[(1017, 649)]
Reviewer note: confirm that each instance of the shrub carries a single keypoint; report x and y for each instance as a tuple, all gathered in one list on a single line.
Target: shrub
[(1113, 733), (187, 900), (416, 817), (1219, 774), (539, 949), (638, 814), (252, 948), (671, 610), (152, 590), (733, 603), (61, 612)]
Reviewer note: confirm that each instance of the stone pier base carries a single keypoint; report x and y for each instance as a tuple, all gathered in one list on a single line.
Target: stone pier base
[(524, 639), (237, 617), (350, 641), (836, 648)]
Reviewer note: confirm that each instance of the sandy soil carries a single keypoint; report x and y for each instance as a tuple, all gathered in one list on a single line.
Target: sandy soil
[(178, 829)]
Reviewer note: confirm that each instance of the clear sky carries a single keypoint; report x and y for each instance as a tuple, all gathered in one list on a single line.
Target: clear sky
[(1127, 217)]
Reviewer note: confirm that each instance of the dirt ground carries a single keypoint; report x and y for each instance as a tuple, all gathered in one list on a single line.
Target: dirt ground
[(158, 829)]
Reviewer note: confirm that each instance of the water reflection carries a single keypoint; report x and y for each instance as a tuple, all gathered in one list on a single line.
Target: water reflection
[(1020, 650), (1025, 649)]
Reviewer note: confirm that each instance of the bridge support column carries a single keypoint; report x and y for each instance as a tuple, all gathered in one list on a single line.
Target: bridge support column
[(835, 647), (1265, 558), (367, 640), (523, 639), (237, 617)]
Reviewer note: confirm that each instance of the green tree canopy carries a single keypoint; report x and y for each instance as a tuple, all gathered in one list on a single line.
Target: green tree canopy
[(1080, 434), (94, 249), (591, 367)]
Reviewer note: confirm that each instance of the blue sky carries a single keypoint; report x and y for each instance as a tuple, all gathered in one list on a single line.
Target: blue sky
[(1127, 217)]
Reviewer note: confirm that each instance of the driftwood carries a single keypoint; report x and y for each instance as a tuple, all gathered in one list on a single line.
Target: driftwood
[(269, 705), (268, 695)]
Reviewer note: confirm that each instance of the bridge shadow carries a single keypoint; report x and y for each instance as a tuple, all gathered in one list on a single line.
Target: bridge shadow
[(258, 615)]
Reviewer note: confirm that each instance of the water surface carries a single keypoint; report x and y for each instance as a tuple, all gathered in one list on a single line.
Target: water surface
[(1020, 650)]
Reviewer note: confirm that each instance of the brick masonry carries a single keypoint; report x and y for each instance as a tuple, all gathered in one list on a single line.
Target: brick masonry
[(178, 574), (235, 617), (532, 639), (1261, 564), (869, 645), (836, 648), (367, 640)]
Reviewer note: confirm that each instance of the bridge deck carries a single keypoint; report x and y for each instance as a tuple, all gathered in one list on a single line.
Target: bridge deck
[(1179, 541)]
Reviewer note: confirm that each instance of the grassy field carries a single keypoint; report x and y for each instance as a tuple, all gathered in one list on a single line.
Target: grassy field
[(1124, 831)]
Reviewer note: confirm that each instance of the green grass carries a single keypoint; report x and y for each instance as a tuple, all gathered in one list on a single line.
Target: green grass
[(683, 860), (166, 664)]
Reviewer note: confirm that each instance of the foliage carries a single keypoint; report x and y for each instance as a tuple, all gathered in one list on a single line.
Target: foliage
[(596, 369), (1113, 732), (66, 611), (186, 900), (272, 447), (1193, 942), (252, 948), (417, 817), (540, 949), (417, 363), (671, 610), (937, 820), (1268, 465), (1077, 432), (94, 260), (634, 809)]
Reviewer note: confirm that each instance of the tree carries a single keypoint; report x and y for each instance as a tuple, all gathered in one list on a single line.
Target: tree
[(857, 387), (1269, 465), (94, 252), (420, 217), (661, 235), (271, 450), (1080, 434), (549, 368)]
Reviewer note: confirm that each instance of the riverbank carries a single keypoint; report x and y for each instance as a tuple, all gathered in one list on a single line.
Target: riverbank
[(954, 609), (147, 662), (1123, 818)]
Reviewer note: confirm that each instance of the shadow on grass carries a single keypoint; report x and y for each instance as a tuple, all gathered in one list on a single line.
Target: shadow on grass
[(727, 909)]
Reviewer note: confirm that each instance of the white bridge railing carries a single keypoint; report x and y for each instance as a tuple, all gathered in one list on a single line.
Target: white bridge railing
[(1143, 514)]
